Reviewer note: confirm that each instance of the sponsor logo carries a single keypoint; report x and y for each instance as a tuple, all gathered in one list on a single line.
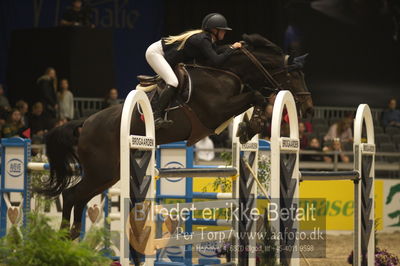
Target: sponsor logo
[(137, 141), (369, 148), (287, 143), (174, 164), (250, 146), (15, 168)]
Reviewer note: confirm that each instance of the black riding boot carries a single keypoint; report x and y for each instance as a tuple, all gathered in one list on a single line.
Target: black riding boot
[(163, 101)]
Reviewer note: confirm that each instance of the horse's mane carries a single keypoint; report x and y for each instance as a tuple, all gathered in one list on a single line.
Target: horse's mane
[(257, 40)]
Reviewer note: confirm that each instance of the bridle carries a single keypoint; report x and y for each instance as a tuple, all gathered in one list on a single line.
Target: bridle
[(276, 86)]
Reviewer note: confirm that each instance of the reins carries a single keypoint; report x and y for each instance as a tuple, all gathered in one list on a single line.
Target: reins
[(262, 69), (276, 85)]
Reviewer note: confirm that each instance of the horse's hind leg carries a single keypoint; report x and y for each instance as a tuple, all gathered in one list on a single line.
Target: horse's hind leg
[(68, 203), (78, 213), (83, 194)]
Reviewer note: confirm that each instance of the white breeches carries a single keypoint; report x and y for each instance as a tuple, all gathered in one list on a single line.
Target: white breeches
[(155, 58)]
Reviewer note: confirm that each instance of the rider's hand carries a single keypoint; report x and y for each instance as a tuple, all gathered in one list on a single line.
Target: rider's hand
[(236, 45)]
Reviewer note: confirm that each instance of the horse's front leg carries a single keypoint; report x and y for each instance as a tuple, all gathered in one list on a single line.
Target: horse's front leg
[(239, 104)]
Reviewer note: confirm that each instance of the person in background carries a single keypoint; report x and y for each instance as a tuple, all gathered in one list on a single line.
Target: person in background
[(111, 99), (4, 103), (23, 107), (335, 145), (66, 101), (13, 127), (303, 135), (38, 122), (391, 116), (47, 85), (77, 15), (314, 145), (341, 130)]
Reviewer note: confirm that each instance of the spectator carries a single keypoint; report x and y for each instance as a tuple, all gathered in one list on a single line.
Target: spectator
[(303, 135), (111, 99), (391, 116), (4, 103), (38, 123), (341, 130), (13, 126), (66, 101), (314, 145), (76, 15), (47, 85), (23, 108), (336, 145)]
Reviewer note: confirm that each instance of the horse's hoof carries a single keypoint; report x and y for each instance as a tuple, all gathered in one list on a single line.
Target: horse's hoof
[(243, 139)]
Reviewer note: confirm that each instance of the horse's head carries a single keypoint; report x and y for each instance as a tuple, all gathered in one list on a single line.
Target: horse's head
[(264, 66)]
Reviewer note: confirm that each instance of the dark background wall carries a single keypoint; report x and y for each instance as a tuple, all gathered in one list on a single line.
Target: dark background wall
[(353, 57), (351, 63)]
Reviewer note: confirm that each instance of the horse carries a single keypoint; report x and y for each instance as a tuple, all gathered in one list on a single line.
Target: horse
[(218, 95)]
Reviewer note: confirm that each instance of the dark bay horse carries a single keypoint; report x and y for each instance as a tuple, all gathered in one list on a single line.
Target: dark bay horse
[(218, 95)]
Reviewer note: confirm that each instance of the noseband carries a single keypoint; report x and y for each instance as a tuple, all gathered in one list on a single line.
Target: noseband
[(276, 86)]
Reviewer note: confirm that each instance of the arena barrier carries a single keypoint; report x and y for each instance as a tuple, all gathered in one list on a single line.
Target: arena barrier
[(14, 179), (15, 190), (285, 178)]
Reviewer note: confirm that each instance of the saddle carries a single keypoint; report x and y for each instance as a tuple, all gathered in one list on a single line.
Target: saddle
[(149, 83)]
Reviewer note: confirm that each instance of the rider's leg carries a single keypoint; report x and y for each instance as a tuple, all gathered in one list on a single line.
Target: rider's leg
[(155, 58), (166, 95)]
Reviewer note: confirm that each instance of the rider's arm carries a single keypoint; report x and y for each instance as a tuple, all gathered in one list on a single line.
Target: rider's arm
[(212, 57)]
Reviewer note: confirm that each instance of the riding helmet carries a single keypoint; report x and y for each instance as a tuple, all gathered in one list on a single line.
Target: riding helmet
[(215, 21)]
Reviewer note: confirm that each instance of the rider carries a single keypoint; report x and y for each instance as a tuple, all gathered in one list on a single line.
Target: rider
[(189, 46)]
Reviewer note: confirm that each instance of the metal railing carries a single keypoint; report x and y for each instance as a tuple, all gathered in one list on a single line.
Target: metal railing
[(92, 105), (381, 160), (87, 106), (340, 112)]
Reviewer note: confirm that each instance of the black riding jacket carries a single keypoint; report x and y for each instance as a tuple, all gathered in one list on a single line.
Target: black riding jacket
[(199, 48)]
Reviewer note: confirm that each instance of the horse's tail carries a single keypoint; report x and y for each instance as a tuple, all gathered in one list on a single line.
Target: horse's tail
[(62, 156)]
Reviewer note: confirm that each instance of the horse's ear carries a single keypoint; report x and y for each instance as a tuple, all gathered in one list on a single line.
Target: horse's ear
[(297, 62), (300, 60)]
